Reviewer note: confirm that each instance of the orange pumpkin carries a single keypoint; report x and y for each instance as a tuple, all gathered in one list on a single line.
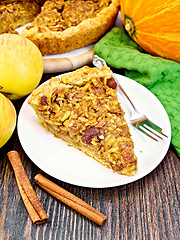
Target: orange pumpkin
[(154, 25)]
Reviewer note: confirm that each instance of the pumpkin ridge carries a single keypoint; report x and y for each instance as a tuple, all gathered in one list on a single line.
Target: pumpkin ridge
[(165, 8), (169, 36), (157, 47), (156, 52), (128, 8)]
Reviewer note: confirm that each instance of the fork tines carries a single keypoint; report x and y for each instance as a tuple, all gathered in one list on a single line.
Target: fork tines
[(150, 129)]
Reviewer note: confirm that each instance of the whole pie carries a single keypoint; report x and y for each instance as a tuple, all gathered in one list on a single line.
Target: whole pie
[(82, 109), (59, 26)]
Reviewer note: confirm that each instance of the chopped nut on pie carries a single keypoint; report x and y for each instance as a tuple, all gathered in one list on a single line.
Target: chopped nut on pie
[(84, 111)]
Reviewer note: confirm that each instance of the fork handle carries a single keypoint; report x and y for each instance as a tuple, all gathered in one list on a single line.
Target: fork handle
[(99, 62), (122, 92)]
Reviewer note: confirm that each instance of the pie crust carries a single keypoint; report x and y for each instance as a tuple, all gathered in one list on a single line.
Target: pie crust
[(87, 32), (81, 109)]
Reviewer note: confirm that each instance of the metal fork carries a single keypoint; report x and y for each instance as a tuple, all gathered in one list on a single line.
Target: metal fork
[(138, 120)]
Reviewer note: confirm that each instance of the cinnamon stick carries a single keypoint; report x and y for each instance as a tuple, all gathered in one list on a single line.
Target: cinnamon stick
[(70, 199), (30, 199)]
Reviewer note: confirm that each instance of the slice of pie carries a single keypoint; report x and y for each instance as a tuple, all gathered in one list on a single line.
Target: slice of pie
[(84, 111)]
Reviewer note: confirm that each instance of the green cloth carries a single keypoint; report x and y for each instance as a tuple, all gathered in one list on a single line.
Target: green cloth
[(160, 76)]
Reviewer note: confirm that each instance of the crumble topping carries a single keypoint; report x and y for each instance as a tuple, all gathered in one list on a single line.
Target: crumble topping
[(16, 13), (58, 15)]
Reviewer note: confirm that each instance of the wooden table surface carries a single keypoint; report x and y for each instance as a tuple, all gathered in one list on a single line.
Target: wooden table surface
[(145, 209)]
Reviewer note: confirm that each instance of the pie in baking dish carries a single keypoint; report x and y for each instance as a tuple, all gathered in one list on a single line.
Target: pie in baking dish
[(60, 25), (16, 13), (64, 25), (81, 109)]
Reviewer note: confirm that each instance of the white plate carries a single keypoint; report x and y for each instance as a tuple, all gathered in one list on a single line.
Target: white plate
[(70, 165)]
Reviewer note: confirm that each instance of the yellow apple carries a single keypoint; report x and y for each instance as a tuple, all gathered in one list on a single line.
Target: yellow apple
[(21, 66), (7, 119)]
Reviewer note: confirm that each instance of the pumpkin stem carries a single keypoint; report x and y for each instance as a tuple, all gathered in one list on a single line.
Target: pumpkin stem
[(129, 26)]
